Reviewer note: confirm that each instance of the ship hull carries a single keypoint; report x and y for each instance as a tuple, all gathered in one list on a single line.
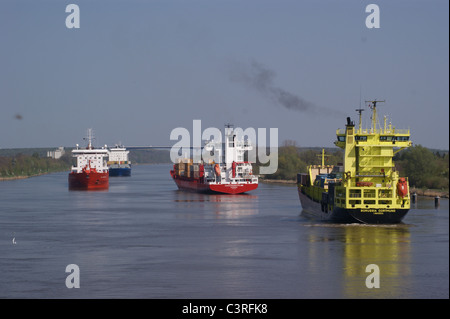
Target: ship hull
[(344, 215), (120, 171), (379, 215), (88, 181), (196, 185)]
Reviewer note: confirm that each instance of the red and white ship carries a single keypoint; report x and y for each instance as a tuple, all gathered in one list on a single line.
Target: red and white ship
[(91, 170), (227, 173)]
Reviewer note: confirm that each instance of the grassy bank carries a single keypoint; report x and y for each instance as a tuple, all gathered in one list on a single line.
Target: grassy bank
[(23, 166), (430, 192)]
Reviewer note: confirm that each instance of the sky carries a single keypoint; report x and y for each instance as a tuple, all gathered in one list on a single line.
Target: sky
[(135, 70)]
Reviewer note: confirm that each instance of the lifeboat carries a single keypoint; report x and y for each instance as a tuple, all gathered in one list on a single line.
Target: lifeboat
[(402, 187)]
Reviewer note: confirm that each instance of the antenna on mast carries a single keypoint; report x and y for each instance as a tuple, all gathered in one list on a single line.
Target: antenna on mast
[(360, 98), (373, 107), (89, 137)]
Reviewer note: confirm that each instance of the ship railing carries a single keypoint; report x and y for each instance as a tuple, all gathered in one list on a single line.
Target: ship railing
[(392, 130), (369, 197), (234, 181)]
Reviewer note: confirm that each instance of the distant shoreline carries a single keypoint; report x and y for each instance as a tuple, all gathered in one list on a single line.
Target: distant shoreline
[(13, 178), (19, 177), (278, 181), (418, 191), (429, 192)]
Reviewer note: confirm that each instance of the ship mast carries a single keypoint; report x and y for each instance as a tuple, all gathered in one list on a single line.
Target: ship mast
[(89, 138), (359, 111), (373, 106), (323, 156)]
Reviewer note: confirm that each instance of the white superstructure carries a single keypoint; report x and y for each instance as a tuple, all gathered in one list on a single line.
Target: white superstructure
[(229, 156), (90, 157), (118, 155)]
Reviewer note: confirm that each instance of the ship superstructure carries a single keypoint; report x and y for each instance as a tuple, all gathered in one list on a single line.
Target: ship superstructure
[(91, 170), (367, 187), (118, 162), (224, 171)]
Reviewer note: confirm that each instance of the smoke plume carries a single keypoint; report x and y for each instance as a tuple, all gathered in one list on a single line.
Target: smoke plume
[(260, 78)]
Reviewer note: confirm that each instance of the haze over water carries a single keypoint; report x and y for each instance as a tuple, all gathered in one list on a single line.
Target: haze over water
[(143, 238)]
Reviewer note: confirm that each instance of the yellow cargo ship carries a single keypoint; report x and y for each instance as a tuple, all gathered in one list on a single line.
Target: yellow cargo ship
[(366, 188)]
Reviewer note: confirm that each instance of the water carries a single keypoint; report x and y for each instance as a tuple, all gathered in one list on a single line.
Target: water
[(145, 239)]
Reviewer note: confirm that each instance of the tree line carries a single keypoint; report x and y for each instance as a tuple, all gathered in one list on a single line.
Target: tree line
[(21, 165), (424, 168), (24, 164), (293, 160)]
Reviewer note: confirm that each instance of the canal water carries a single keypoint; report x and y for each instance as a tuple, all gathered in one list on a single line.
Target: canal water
[(143, 238)]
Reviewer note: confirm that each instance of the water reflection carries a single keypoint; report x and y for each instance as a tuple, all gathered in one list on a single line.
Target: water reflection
[(221, 206), (356, 245)]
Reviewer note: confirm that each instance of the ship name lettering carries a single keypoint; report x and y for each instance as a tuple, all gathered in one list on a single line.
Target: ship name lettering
[(378, 210)]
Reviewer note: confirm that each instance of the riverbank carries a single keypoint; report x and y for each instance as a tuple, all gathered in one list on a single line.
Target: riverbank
[(418, 191), (430, 192), (278, 181), (12, 178)]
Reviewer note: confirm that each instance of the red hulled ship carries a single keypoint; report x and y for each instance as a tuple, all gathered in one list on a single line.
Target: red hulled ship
[(225, 172), (91, 170)]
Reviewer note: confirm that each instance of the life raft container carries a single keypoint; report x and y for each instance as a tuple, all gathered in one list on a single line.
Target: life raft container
[(217, 169), (402, 187), (362, 184)]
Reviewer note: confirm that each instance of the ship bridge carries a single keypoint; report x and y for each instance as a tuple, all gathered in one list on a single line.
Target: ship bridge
[(369, 152)]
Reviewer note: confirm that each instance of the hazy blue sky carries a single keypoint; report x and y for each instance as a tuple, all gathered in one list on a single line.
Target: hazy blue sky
[(135, 70)]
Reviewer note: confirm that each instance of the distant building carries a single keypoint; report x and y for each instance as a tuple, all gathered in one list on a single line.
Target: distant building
[(56, 153)]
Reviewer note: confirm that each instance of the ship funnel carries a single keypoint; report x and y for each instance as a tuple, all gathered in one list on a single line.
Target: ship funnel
[(349, 122)]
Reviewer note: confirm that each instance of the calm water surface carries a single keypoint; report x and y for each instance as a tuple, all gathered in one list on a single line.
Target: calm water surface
[(145, 239)]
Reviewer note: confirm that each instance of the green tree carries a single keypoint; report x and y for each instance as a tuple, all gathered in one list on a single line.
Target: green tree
[(423, 168)]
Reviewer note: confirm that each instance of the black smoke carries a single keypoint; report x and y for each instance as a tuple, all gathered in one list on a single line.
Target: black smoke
[(258, 77)]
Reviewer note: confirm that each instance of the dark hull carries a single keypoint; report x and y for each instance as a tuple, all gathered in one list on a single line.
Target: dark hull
[(378, 216), (344, 215), (121, 171)]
